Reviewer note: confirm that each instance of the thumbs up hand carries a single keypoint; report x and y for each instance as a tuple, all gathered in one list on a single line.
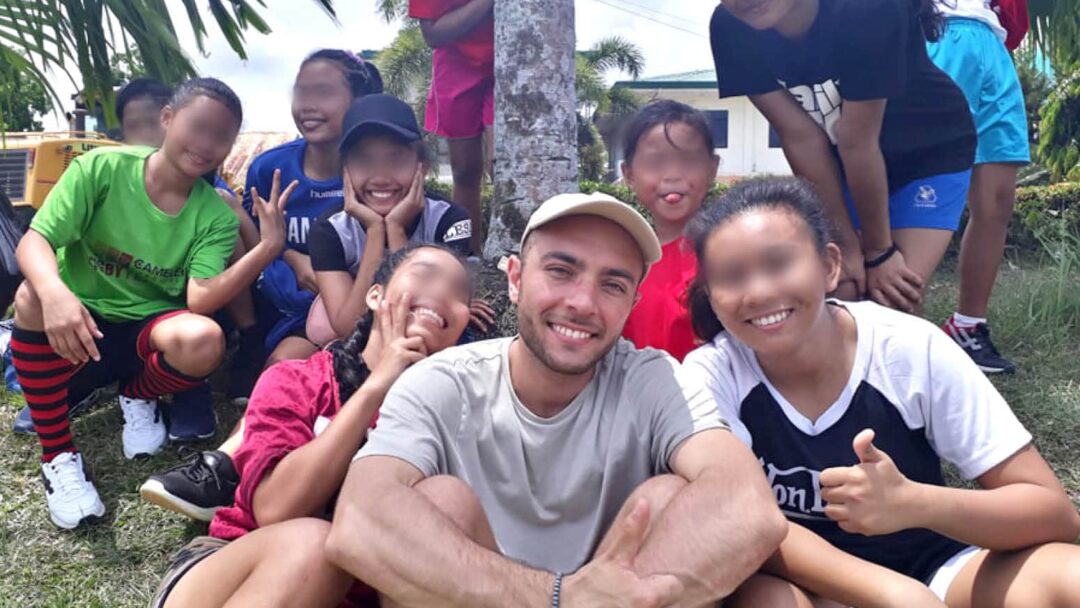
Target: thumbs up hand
[(609, 580), (872, 497)]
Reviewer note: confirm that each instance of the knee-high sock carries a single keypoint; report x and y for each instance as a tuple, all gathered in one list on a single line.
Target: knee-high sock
[(44, 376)]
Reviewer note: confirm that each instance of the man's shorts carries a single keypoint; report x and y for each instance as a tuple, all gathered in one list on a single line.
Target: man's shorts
[(973, 56), (461, 101), (927, 202), (124, 348)]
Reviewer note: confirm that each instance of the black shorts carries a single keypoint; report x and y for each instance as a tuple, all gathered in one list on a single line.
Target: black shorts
[(124, 348), (200, 548)]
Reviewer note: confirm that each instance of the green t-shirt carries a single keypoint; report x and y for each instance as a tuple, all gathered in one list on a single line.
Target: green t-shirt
[(121, 255)]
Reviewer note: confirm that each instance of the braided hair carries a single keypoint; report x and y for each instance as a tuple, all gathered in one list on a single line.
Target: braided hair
[(349, 367), (363, 77)]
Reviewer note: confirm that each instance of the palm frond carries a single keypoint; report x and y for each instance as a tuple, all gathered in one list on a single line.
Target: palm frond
[(616, 53), (82, 36), (1055, 30), (392, 10), (406, 64)]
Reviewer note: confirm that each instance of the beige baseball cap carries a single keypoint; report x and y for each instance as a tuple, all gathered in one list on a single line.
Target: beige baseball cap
[(601, 205)]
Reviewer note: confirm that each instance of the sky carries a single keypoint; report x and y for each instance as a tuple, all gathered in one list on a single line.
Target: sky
[(263, 82)]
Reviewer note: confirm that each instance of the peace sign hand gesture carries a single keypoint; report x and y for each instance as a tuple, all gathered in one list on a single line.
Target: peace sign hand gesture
[(271, 213)]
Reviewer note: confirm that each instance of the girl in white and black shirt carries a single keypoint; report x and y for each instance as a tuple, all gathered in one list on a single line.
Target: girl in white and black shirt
[(850, 407)]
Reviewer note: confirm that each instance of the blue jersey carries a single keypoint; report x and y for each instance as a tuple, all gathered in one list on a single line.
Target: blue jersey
[(311, 198), (921, 394)]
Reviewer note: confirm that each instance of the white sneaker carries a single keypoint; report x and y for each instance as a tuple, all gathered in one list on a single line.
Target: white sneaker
[(72, 498), (144, 430)]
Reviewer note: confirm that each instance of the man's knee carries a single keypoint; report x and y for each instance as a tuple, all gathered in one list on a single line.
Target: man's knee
[(455, 499), (27, 307)]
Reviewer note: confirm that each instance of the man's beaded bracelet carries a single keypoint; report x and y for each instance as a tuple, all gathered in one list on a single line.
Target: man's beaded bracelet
[(556, 590)]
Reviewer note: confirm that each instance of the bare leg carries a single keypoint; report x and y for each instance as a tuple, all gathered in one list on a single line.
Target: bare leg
[(457, 501), (236, 437), (1044, 576), (292, 347), (990, 202), (279, 565), (763, 590), (467, 164), (923, 249), (192, 344)]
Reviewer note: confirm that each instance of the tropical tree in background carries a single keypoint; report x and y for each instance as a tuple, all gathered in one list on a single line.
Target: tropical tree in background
[(1055, 33), (80, 37), (406, 67), (595, 98), (22, 100)]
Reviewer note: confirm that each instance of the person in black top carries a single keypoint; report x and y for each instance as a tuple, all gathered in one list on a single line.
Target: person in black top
[(865, 116), (385, 209)]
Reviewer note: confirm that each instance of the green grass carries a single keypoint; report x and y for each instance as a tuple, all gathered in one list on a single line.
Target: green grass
[(118, 562)]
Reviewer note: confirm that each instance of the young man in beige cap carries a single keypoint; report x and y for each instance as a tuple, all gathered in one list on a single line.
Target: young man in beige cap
[(561, 467)]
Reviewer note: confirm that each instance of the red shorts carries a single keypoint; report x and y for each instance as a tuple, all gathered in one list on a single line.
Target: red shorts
[(461, 101)]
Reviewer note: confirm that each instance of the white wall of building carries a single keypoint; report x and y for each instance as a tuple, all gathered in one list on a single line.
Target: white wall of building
[(747, 152)]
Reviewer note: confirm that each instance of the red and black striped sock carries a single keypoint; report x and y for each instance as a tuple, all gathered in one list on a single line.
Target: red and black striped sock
[(44, 376), (159, 378)]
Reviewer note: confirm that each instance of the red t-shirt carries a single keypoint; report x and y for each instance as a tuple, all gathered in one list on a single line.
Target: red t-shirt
[(287, 403), (292, 402), (478, 46), (1013, 15), (661, 319)]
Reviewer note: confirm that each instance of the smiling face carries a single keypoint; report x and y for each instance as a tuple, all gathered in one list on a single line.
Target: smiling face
[(439, 289), (381, 168), (767, 280), (574, 289), (199, 135), (321, 96), (671, 172)]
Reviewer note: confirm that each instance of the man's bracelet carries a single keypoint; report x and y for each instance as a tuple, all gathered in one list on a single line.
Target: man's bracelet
[(556, 590), (880, 259)]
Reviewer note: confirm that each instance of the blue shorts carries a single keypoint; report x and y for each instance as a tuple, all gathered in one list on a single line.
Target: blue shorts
[(928, 202), (976, 59)]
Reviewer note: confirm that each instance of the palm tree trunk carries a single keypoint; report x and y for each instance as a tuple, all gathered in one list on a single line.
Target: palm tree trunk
[(535, 114)]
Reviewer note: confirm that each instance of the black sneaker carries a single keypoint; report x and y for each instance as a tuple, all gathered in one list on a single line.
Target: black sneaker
[(197, 488), (976, 343)]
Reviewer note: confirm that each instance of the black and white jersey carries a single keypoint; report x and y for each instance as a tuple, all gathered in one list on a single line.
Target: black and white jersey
[(920, 393), (337, 239)]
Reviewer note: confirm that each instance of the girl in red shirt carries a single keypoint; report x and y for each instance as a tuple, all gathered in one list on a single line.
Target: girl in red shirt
[(670, 163), (305, 422)]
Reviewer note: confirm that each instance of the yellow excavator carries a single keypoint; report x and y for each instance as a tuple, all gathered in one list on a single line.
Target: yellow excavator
[(31, 164)]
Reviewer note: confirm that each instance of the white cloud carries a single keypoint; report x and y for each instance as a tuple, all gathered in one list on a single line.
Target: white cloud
[(263, 82)]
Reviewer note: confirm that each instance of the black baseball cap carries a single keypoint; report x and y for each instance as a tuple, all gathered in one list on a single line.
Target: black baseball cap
[(378, 114)]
